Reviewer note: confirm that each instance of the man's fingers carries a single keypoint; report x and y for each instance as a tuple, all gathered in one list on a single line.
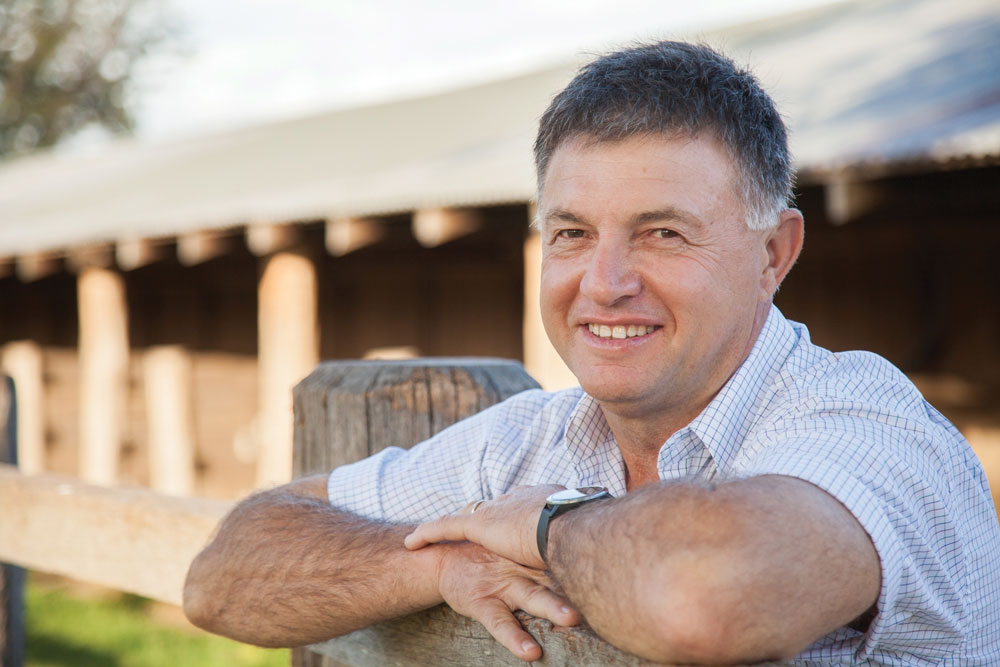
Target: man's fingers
[(539, 601), (447, 528), (501, 623)]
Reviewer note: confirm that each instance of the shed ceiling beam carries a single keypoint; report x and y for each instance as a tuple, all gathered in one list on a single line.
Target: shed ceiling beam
[(848, 200), (100, 256), (345, 235), (133, 254), (37, 265), (201, 246), (269, 238), (436, 226)]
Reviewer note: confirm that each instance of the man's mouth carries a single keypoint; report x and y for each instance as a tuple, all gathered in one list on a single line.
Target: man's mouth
[(621, 330)]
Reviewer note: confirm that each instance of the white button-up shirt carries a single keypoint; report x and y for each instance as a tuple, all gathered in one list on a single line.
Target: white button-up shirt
[(849, 423)]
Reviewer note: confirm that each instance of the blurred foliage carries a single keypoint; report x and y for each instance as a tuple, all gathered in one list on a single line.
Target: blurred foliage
[(65, 64)]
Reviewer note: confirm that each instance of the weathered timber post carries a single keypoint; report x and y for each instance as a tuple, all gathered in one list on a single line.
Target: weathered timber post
[(11, 577), (345, 411)]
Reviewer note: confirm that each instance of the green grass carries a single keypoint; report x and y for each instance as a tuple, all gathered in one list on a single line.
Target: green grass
[(64, 630)]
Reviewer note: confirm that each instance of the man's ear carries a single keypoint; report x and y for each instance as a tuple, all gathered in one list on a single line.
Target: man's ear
[(783, 245)]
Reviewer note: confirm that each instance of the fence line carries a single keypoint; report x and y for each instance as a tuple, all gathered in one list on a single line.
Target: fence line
[(135, 540), (141, 541)]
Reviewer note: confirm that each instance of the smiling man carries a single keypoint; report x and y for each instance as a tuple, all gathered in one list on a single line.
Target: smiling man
[(648, 234), (735, 492)]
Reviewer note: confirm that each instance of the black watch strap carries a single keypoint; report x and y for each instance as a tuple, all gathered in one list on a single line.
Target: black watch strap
[(542, 532), (558, 504)]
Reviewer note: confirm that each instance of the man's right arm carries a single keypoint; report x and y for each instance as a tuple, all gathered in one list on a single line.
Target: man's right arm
[(285, 568)]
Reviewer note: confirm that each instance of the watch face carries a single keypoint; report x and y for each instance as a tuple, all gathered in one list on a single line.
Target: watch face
[(573, 496)]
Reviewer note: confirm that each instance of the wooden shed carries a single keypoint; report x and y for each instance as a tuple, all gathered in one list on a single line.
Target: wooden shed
[(160, 300)]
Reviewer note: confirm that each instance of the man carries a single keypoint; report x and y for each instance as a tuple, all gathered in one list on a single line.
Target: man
[(769, 499)]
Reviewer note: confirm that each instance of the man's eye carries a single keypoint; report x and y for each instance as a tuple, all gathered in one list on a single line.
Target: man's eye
[(664, 233), (570, 233)]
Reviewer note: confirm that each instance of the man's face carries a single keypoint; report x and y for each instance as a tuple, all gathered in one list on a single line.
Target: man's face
[(652, 287)]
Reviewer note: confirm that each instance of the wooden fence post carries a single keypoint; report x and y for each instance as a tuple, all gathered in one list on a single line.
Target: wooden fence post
[(345, 411), (11, 577)]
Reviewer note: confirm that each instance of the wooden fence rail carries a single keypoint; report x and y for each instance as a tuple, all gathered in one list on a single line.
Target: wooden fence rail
[(141, 541), (135, 540)]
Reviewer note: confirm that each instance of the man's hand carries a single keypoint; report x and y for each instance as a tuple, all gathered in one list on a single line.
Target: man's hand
[(492, 566), (506, 526), (479, 584)]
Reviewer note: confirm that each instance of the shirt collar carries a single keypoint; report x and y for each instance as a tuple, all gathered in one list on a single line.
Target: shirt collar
[(724, 423), (586, 428)]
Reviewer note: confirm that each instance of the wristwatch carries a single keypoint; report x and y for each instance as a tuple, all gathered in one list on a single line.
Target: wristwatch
[(561, 502)]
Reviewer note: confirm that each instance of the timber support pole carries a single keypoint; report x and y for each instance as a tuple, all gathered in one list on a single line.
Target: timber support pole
[(287, 349), (540, 359), (104, 358), (11, 576), (23, 361), (168, 382), (345, 411)]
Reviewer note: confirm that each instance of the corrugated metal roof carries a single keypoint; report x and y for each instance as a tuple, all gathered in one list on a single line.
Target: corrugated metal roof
[(467, 146), (878, 83), (863, 84)]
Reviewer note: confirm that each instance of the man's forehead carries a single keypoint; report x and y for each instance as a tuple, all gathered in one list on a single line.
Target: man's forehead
[(647, 152), (657, 177)]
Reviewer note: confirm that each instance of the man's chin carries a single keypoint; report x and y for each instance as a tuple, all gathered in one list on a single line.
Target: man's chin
[(616, 393)]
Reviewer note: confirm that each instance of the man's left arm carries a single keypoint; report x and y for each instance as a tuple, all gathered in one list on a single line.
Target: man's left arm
[(749, 570)]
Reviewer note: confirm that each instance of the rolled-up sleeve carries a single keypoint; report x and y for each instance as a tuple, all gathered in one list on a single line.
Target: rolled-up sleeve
[(895, 482)]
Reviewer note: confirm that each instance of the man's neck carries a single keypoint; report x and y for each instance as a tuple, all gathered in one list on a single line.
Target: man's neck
[(639, 442), (640, 436)]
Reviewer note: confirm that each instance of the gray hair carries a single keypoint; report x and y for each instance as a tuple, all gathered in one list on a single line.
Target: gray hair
[(676, 87)]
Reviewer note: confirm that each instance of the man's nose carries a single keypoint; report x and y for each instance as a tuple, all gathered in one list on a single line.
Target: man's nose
[(610, 275)]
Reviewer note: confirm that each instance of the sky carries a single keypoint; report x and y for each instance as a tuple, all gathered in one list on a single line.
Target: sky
[(245, 62)]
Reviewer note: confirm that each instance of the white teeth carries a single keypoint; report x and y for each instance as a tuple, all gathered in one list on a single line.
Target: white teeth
[(620, 330)]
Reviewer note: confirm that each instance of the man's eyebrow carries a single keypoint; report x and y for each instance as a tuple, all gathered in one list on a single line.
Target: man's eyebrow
[(666, 214), (562, 215), (669, 214)]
